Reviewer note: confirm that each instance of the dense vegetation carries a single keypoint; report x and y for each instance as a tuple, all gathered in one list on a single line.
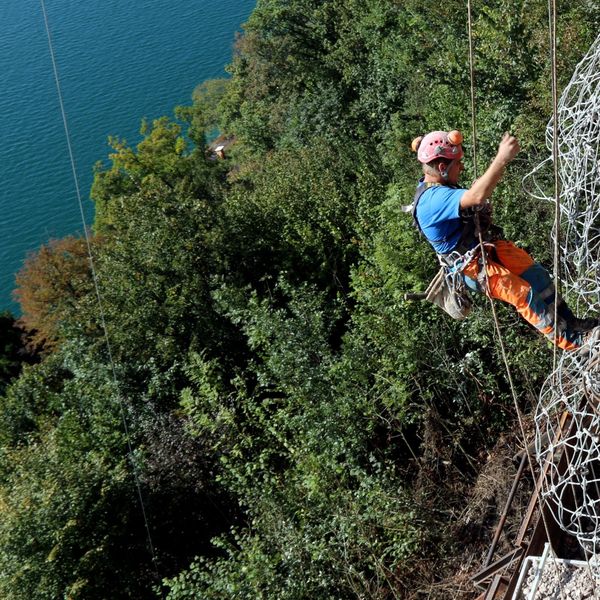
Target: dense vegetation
[(294, 428)]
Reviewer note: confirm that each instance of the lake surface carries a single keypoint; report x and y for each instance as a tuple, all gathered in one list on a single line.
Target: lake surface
[(119, 61)]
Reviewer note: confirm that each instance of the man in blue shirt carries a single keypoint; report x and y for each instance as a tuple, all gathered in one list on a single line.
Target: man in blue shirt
[(439, 217), (444, 213)]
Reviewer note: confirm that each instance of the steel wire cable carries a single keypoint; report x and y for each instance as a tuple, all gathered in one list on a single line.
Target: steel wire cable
[(99, 300), (498, 331)]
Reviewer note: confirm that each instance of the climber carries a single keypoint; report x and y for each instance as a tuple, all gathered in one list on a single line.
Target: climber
[(445, 214)]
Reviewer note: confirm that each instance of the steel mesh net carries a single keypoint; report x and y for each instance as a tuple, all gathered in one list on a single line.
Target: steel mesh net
[(567, 419)]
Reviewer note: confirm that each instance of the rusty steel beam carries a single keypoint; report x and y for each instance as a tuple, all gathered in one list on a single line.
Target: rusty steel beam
[(501, 564), (507, 506), (497, 589), (544, 521), (526, 523)]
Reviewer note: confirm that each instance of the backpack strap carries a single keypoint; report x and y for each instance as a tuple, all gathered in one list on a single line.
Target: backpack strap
[(422, 187)]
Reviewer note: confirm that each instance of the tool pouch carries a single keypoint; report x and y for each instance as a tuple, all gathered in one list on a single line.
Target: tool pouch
[(449, 292)]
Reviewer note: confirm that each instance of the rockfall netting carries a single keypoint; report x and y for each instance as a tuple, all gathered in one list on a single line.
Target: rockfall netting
[(568, 413)]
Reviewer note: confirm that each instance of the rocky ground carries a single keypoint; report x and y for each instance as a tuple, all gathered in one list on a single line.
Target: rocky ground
[(562, 582)]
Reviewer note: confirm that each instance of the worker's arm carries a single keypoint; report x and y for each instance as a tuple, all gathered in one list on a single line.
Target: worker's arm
[(482, 189)]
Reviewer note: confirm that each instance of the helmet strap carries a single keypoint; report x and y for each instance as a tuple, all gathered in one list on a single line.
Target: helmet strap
[(444, 173)]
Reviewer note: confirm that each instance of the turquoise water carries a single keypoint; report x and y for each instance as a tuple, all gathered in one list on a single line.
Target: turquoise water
[(119, 61)]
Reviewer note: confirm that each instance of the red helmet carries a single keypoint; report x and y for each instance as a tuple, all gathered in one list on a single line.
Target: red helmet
[(438, 144)]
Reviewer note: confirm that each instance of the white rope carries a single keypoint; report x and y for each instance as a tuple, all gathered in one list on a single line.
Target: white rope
[(97, 291)]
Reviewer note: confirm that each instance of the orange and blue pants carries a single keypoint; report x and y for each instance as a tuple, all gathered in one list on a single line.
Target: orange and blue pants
[(514, 277)]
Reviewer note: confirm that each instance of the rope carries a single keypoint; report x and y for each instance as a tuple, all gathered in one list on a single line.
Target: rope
[(491, 302), (98, 295), (472, 81), (557, 221), (555, 159)]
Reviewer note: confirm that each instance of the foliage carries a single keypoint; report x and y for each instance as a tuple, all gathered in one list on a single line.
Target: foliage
[(327, 518), (52, 286), (248, 364), (70, 487), (305, 204), (204, 116), (63, 477), (160, 211)]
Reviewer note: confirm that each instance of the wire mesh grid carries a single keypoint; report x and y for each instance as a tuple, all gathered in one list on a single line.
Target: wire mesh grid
[(570, 453)]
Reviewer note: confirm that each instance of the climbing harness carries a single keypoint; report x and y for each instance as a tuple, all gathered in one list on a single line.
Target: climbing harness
[(472, 220), (448, 289)]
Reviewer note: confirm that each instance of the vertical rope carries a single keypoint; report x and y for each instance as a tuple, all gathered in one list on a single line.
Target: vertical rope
[(98, 295), (555, 159), (492, 305), (472, 80), (557, 216)]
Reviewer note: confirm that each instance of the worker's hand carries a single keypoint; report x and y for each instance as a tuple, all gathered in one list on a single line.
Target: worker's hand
[(508, 148), (482, 189)]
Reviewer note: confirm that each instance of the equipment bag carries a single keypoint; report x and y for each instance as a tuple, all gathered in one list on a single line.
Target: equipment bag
[(449, 291)]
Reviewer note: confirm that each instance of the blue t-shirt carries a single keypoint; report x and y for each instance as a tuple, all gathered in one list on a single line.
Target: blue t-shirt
[(438, 214)]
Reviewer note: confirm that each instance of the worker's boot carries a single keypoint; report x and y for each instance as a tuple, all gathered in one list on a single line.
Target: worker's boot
[(575, 323), (584, 325), (588, 352)]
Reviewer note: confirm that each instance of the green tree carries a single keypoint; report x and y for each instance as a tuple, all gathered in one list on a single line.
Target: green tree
[(327, 515)]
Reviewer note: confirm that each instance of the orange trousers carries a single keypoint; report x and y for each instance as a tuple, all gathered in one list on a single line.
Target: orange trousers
[(514, 277)]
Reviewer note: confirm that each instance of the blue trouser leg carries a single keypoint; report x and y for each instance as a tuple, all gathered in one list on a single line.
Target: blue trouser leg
[(540, 301), (539, 280)]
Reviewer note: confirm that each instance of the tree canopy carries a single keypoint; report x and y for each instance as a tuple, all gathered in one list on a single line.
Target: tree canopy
[(239, 402)]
